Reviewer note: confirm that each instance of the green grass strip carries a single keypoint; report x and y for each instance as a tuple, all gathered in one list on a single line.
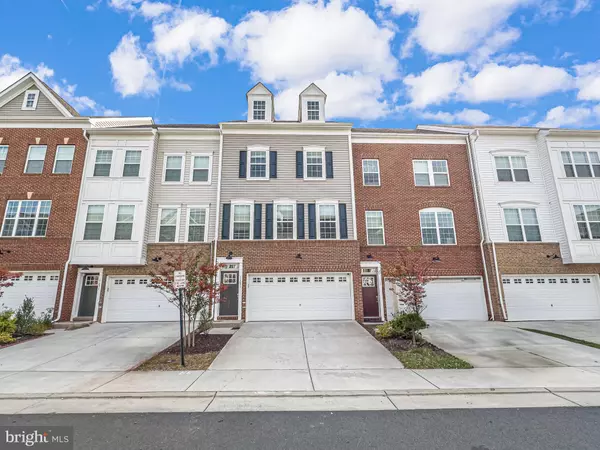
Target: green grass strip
[(425, 358)]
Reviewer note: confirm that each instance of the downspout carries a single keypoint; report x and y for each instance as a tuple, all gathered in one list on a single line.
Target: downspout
[(218, 209), (64, 280)]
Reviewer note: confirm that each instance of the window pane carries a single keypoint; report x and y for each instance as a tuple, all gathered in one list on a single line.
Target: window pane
[(595, 230), (241, 213), (174, 162), (422, 179), (502, 162), (65, 152), (428, 219), (3, 151), (63, 166), (92, 231), (241, 230), (429, 235), (594, 158), (596, 169), (371, 179), (196, 233), (521, 175), (25, 227), (2, 164), (519, 162), (11, 209), (201, 162), (167, 233), (34, 166), (173, 175), (327, 212), (445, 220), (580, 157), (95, 213), (440, 179), (420, 166), (532, 232), (374, 219), (569, 171), (439, 166), (504, 175), (579, 213), (133, 157), (123, 231), (375, 236), (8, 227), (447, 236), (515, 233), (593, 213), (168, 217), (370, 166), (529, 216), (41, 227), (37, 152), (512, 217), (583, 171), (200, 175), (566, 157), (197, 216), (131, 170), (583, 230), (102, 170), (45, 209), (104, 156), (125, 213)]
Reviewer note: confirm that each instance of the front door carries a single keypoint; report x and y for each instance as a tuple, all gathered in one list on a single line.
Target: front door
[(370, 296), (228, 305), (89, 291)]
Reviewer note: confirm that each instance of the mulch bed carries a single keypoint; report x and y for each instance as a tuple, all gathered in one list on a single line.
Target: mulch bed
[(401, 345), (21, 339), (205, 343)]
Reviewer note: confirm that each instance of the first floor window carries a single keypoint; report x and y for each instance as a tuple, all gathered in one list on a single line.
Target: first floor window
[(201, 169), (370, 169), (124, 226), (197, 224), (327, 222), (133, 159), (93, 223), (103, 163), (167, 231), (3, 155), (173, 169), (588, 221), (522, 225), (26, 218), (242, 221), (64, 158), (35, 159), (374, 220), (285, 221), (437, 227)]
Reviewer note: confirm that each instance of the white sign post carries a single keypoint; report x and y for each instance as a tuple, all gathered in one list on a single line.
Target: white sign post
[(180, 282)]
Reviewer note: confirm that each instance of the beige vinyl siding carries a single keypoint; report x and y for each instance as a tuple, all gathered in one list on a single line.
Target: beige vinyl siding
[(186, 194), (286, 185), (44, 107)]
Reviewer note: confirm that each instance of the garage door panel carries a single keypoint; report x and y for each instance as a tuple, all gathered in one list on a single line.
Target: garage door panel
[(41, 286)]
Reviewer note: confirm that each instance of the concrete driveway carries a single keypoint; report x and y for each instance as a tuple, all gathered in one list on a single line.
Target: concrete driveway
[(86, 357), (586, 330), (495, 344)]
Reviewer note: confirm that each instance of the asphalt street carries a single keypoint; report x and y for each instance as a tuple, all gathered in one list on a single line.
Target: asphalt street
[(474, 429)]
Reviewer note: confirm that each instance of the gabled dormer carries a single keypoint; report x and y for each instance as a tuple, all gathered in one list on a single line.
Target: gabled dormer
[(260, 104), (31, 97), (311, 107)]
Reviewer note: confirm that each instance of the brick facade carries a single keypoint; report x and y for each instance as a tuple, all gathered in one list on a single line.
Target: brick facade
[(400, 200), (52, 251)]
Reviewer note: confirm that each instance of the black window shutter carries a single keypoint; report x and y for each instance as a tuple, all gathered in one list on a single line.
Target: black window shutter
[(312, 221), (299, 164), (269, 221), (257, 220), (243, 163), (300, 220), (329, 164), (272, 164), (225, 222), (343, 221)]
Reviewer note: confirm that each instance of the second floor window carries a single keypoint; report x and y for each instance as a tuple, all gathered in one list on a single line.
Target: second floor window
[(242, 221), (103, 163), (511, 168), (374, 223), (314, 164), (131, 167), (312, 110), (522, 225), (64, 159), (167, 226), (201, 169), (26, 218), (370, 169), (581, 164), (35, 159), (3, 156), (327, 222), (431, 173), (285, 221), (173, 168), (588, 221), (93, 223), (259, 110), (124, 228), (437, 227), (258, 164), (197, 218)]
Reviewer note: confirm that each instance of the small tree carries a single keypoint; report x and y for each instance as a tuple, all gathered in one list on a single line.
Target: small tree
[(6, 279), (199, 296)]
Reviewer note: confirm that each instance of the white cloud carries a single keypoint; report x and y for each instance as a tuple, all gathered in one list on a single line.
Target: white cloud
[(112, 112), (132, 70), (436, 84), (574, 116), (179, 85), (581, 5), (151, 10), (187, 33), (493, 44), (588, 81), (466, 116), (525, 81), (124, 5)]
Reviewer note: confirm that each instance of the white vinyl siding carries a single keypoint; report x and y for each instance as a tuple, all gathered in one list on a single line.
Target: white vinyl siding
[(35, 159), (44, 107), (26, 218)]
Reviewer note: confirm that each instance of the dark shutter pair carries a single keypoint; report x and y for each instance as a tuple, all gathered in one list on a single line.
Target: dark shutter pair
[(244, 164), (312, 221), (225, 223), (300, 164)]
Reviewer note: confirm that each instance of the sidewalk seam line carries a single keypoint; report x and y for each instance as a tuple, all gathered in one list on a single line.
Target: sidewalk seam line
[(418, 374), (564, 398), (210, 403), (109, 381), (306, 356), (193, 382), (391, 401)]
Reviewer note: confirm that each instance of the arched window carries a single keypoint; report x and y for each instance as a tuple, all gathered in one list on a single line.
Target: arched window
[(437, 226)]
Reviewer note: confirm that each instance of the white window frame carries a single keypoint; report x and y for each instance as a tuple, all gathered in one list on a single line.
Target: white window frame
[(58, 147), (437, 225), (24, 106), (4, 148), (512, 169), (16, 218), (254, 109), (125, 163), (110, 169), (335, 204), (251, 150), (117, 222), (187, 225), (85, 222), (308, 111), (574, 165), (520, 207), (164, 172), (43, 160), (431, 173), (160, 209), (587, 221), (378, 172), (382, 227), (210, 163), (323, 163), (232, 220), (291, 203)]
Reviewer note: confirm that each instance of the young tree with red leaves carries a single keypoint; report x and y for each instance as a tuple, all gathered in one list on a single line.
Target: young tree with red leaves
[(199, 296), (6, 279)]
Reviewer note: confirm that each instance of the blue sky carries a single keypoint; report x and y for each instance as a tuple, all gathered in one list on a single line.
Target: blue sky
[(388, 63)]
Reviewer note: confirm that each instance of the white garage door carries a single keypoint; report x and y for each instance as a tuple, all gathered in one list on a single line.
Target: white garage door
[(41, 286), (455, 299), (551, 297), (129, 299), (299, 296)]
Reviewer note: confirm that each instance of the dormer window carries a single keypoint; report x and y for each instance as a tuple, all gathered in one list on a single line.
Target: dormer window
[(30, 100), (312, 109), (259, 110)]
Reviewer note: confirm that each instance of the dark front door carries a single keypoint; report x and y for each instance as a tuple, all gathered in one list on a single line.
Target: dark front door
[(229, 297), (89, 291), (370, 296)]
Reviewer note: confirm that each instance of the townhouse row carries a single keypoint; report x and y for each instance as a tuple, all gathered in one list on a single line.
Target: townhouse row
[(304, 216)]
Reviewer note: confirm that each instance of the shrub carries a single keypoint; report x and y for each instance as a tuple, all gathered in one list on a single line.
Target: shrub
[(27, 322), (8, 323), (385, 331), (46, 318), (405, 326), (6, 338), (37, 329)]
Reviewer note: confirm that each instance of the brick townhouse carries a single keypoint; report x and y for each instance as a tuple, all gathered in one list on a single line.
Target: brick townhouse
[(414, 197)]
